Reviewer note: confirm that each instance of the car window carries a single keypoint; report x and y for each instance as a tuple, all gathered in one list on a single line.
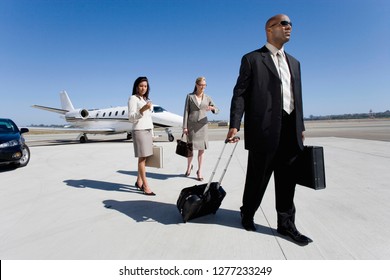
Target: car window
[(7, 127)]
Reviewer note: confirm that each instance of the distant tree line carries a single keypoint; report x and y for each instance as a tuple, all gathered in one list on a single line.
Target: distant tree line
[(369, 115), (47, 126)]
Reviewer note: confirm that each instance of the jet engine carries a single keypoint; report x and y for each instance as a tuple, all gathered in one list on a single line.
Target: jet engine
[(77, 114)]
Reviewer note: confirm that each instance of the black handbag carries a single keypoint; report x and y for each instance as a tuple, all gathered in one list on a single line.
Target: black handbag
[(184, 148), (310, 168)]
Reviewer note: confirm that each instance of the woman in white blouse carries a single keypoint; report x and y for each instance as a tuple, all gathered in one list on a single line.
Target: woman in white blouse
[(140, 114)]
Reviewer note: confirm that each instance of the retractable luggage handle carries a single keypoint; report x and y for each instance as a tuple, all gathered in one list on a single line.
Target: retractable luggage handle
[(216, 166)]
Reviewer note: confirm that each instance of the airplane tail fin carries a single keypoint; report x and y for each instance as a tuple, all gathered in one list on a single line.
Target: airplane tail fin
[(66, 104)]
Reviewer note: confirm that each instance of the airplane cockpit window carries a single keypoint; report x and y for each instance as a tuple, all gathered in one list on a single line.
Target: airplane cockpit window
[(158, 109), (123, 112)]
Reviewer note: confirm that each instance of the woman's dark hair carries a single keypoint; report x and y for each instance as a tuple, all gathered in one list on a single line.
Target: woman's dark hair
[(137, 82)]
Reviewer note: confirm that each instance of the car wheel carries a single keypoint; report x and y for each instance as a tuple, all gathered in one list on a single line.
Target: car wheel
[(25, 157)]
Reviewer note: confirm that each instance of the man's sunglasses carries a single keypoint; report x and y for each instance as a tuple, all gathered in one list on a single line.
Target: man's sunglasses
[(283, 23)]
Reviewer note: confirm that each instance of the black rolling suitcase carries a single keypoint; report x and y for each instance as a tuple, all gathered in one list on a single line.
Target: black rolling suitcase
[(201, 200)]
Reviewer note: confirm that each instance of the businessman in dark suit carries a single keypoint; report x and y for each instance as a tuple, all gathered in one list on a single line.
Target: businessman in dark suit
[(268, 91)]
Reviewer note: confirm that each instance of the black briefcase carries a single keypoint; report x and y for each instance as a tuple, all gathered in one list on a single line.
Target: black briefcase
[(310, 168)]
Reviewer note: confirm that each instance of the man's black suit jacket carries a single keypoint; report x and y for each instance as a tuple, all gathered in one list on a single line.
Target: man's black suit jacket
[(258, 94)]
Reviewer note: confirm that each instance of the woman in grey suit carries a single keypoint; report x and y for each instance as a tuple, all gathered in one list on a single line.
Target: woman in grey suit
[(195, 122)]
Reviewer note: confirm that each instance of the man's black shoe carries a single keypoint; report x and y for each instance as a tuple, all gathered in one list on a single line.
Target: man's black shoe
[(295, 235), (247, 223)]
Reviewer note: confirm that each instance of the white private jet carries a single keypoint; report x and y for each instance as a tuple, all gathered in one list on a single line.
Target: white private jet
[(110, 120)]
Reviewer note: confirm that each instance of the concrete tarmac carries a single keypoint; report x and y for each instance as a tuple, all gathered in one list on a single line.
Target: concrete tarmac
[(78, 202)]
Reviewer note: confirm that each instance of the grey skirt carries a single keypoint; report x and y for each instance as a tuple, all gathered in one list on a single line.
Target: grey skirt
[(198, 135), (143, 143)]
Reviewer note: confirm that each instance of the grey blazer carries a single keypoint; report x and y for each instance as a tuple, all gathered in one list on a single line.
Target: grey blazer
[(196, 113)]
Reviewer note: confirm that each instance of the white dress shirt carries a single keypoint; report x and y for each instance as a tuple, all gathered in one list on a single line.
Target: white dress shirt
[(287, 94), (140, 121)]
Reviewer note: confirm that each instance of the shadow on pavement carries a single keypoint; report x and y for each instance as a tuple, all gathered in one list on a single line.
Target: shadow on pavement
[(168, 214), (153, 175), (100, 185)]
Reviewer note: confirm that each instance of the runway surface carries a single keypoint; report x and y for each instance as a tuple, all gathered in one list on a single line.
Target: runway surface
[(78, 201), (368, 129)]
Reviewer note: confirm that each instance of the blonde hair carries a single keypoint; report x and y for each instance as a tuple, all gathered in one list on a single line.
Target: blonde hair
[(198, 80)]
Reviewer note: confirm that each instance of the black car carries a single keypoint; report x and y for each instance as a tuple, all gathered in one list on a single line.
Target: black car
[(13, 149)]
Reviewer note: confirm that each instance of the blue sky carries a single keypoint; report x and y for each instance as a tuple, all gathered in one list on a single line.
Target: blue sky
[(96, 49)]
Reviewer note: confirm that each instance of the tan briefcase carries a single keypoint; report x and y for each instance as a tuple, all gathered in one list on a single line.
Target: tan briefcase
[(156, 160)]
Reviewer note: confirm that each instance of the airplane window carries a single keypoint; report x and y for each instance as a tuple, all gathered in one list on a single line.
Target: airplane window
[(116, 113), (158, 109), (97, 115), (109, 114), (104, 114), (123, 112)]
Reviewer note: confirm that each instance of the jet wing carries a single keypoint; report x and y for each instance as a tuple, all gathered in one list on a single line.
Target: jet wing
[(55, 110), (75, 129), (91, 130)]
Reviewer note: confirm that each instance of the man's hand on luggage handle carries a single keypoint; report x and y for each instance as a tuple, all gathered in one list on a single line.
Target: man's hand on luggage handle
[(231, 138)]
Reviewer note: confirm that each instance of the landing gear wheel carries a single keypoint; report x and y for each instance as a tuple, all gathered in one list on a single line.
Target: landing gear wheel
[(83, 139)]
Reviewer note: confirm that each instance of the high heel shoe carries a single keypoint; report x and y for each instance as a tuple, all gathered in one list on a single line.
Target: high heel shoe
[(140, 188), (189, 172), (148, 193), (199, 178)]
